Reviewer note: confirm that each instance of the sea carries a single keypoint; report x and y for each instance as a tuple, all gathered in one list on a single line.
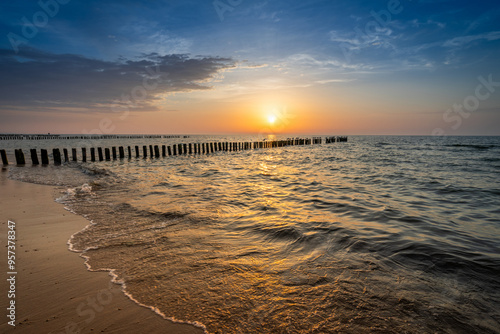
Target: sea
[(379, 234)]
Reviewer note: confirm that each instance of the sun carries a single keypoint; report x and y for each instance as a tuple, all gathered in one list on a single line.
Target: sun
[(271, 119)]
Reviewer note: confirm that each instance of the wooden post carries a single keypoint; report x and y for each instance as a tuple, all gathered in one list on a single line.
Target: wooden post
[(57, 156), (169, 151), (34, 157), (151, 154), (45, 156), (84, 154), (66, 158), (190, 148), (163, 151), (211, 147), (195, 148), (19, 157), (73, 154), (107, 153), (144, 151), (92, 154), (114, 152), (179, 147), (157, 151), (129, 152), (99, 150), (203, 148), (122, 152), (137, 151), (4, 157), (174, 148)]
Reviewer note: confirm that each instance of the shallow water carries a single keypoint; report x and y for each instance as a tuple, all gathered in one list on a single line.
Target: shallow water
[(379, 234)]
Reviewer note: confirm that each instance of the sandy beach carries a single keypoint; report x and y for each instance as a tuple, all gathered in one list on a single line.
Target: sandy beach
[(54, 293)]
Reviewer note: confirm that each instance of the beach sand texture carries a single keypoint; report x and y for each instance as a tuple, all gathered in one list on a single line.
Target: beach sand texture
[(54, 291)]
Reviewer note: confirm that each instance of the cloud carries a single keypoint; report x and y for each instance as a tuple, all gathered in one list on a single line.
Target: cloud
[(462, 41), (38, 81), (327, 81), (356, 40)]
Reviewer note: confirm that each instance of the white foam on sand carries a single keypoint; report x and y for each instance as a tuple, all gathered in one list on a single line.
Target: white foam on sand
[(115, 278)]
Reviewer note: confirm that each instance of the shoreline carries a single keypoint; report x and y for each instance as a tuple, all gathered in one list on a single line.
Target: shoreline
[(54, 291)]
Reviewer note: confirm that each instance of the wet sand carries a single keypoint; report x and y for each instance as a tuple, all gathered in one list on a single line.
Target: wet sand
[(54, 293)]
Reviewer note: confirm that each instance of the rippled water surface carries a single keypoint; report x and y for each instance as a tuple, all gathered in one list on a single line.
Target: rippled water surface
[(379, 234)]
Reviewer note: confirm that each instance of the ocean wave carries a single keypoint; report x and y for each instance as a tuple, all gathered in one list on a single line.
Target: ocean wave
[(375, 232), (472, 146)]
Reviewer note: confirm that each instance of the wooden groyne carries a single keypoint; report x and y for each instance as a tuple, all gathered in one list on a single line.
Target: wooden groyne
[(80, 137), (156, 151), (329, 140)]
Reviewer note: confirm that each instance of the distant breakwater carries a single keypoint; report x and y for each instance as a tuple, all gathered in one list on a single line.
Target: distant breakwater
[(55, 136), (94, 154)]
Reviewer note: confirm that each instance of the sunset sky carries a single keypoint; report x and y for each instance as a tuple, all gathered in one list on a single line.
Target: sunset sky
[(241, 66)]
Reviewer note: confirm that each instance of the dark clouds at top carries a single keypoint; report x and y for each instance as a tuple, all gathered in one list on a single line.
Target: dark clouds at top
[(37, 80)]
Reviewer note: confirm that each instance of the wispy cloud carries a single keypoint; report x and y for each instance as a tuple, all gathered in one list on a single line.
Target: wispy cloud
[(324, 82), (464, 41), (379, 38)]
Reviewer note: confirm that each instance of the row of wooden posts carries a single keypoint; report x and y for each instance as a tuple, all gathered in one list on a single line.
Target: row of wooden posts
[(86, 137), (107, 154), (329, 140)]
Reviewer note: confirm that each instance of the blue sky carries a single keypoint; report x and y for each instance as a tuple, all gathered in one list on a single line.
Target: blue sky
[(343, 62)]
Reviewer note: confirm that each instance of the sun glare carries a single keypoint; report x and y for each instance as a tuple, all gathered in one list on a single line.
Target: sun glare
[(271, 119)]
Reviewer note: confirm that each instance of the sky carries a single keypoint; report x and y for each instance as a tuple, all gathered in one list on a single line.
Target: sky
[(408, 67)]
